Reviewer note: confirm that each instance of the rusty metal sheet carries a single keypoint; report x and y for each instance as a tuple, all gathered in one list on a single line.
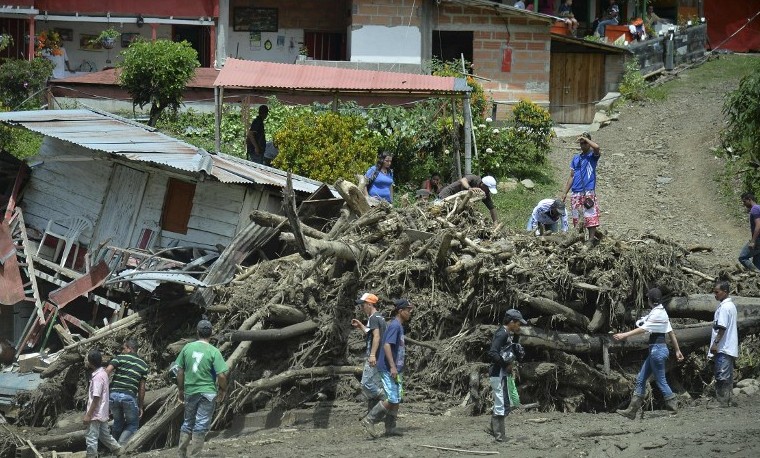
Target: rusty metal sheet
[(81, 286), (11, 284)]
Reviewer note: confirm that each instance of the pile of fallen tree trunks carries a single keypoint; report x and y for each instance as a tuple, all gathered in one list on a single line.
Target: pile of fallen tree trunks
[(284, 324)]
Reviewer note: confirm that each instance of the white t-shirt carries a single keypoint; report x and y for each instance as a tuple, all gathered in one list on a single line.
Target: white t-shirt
[(656, 321), (59, 71), (725, 317)]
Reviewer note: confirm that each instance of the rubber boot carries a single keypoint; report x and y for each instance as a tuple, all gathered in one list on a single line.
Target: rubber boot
[(184, 441), (196, 445), (672, 404), (633, 407), (498, 427), (374, 416), (723, 390), (390, 424)]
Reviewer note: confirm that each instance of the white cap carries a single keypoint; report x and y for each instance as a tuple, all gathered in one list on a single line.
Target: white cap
[(490, 182)]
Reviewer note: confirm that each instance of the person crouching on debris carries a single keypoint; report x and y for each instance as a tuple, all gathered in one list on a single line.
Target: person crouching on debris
[(487, 184), (657, 324), (504, 351), (96, 415), (547, 215), (372, 385), (127, 390), (202, 383), (390, 363)]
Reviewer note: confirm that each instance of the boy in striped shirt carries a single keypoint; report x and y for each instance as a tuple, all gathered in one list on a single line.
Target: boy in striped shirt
[(127, 391)]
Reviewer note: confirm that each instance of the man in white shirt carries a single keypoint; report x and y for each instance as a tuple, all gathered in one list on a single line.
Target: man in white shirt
[(724, 344), (60, 60), (549, 214)]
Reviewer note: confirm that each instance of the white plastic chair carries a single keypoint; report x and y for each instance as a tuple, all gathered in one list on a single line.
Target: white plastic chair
[(67, 231)]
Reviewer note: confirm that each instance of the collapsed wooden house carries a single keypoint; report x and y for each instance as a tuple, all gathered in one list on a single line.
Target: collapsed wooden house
[(105, 195)]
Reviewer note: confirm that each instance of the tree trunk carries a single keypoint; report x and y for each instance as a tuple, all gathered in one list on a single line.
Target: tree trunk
[(293, 374), (549, 307), (349, 252), (264, 335), (353, 196), (267, 219)]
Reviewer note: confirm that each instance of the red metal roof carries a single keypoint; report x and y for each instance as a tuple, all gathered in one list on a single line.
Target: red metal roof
[(274, 76), (204, 77), (175, 8)]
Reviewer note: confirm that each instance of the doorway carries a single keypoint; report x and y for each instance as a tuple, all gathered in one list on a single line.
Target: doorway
[(449, 46), (199, 38)]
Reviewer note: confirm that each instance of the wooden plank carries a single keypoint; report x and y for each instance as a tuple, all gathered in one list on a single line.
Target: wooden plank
[(30, 269), (117, 216), (11, 284), (81, 286)]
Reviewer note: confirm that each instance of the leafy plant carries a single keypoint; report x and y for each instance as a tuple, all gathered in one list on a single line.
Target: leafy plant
[(22, 82), (633, 86), (742, 134), (5, 41), (156, 73), (108, 34), (325, 146)]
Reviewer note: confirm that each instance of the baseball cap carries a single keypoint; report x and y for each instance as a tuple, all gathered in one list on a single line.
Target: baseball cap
[(559, 206), (204, 325), (490, 181), (514, 315), (401, 304), (367, 297)]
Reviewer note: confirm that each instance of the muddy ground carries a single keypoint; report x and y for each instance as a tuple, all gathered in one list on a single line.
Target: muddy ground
[(657, 174)]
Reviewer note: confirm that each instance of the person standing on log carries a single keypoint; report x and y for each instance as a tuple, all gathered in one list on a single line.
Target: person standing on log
[(372, 385), (657, 324), (96, 415), (750, 254), (487, 184), (724, 343), (391, 365), (127, 391), (504, 351), (202, 382), (582, 182)]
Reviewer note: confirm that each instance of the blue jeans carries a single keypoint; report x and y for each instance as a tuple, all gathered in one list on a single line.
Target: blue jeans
[(126, 416), (199, 408), (724, 368), (750, 258), (497, 389), (372, 384), (654, 365), (603, 25)]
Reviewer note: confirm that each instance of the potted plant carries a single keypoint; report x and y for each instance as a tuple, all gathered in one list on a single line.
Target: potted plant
[(108, 37), (47, 43), (303, 52)]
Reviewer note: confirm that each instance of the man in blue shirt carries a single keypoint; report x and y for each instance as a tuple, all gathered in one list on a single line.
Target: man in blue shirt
[(750, 254), (390, 363), (582, 183)]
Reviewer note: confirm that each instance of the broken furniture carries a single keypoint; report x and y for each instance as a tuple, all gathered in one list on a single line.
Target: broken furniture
[(67, 231)]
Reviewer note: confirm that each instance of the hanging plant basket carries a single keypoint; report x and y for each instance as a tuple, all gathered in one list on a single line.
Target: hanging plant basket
[(108, 42)]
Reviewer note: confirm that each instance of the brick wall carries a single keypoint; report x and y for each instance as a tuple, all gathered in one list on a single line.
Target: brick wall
[(529, 40), (388, 13)]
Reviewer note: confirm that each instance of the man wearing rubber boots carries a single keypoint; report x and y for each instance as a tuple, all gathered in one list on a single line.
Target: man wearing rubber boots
[(504, 352), (372, 385)]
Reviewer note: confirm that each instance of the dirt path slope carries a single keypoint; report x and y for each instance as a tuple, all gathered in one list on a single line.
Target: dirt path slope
[(658, 172)]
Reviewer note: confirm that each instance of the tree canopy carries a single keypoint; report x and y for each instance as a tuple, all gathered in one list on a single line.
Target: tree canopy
[(156, 73)]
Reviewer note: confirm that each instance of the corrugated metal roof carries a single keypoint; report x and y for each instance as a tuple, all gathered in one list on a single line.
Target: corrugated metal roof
[(274, 76), (505, 9), (610, 48), (111, 134), (203, 78)]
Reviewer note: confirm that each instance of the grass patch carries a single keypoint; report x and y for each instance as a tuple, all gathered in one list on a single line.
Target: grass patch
[(721, 68)]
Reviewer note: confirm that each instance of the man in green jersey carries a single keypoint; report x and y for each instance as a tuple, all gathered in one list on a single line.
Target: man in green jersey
[(202, 381)]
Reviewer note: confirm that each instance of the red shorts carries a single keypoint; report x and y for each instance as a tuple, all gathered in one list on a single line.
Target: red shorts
[(590, 215)]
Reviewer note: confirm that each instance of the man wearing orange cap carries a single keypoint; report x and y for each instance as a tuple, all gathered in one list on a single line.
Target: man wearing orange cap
[(372, 385)]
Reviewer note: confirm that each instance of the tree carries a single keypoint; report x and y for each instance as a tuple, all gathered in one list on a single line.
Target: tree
[(156, 73), (742, 134)]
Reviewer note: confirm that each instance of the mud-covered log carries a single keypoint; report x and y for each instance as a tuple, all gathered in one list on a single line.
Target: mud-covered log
[(294, 374), (702, 306), (264, 335), (550, 307), (285, 315), (64, 361), (347, 251), (60, 442), (155, 425), (353, 196), (267, 219)]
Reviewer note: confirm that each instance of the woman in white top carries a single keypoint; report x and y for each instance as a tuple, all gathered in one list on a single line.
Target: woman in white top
[(657, 324)]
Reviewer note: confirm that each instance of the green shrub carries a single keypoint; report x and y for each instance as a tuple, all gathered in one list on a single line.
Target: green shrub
[(325, 146), (22, 83), (520, 148), (633, 86)]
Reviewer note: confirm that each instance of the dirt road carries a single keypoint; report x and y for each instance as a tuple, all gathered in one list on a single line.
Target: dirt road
[(657, 174)]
